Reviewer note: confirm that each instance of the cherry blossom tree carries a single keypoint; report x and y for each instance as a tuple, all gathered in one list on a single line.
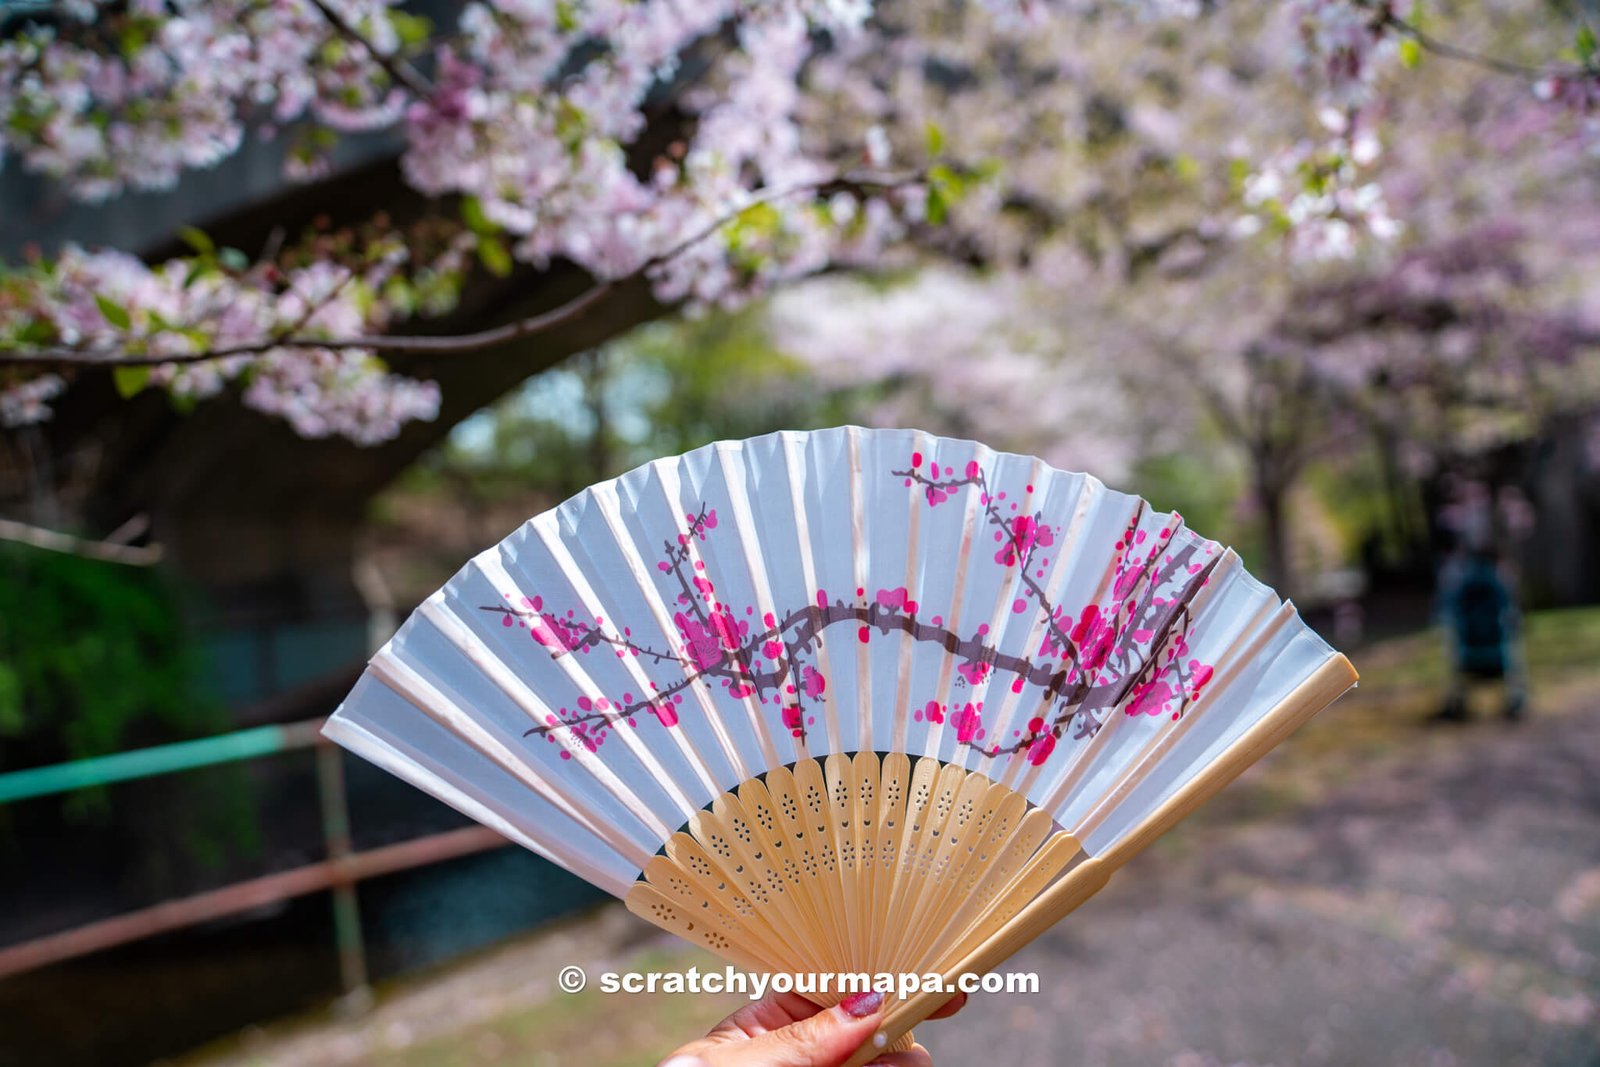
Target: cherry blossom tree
[(803, 134), (1198, 290)]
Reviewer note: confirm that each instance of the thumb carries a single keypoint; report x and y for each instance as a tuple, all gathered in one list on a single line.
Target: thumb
[(826, 1039)]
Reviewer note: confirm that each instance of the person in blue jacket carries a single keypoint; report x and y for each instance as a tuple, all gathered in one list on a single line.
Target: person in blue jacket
[(1484, 629)]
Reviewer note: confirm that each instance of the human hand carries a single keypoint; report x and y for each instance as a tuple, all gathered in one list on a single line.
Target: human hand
[(787, 1030)]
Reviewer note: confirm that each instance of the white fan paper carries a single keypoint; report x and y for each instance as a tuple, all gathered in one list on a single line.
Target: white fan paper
[(590, 685)]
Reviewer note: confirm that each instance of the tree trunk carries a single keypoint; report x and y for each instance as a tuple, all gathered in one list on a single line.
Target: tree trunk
[(1272, 496)]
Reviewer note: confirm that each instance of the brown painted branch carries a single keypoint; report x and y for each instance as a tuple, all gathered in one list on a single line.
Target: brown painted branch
[(593, 637), (59, 358), (808, 622)]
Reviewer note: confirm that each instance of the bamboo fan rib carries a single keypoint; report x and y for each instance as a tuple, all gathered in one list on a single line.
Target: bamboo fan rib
[(848, 700)]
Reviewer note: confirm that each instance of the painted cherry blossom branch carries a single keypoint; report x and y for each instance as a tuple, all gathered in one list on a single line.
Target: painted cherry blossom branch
[(593, 637), (1078, 691), (808, 623), (991, 508), (1171, 624), (1077, 706)]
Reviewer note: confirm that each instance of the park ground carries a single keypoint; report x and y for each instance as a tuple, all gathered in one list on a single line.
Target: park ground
[(1378, 891)]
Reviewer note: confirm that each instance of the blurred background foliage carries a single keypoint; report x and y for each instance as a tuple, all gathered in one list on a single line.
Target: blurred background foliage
[(94, 657)]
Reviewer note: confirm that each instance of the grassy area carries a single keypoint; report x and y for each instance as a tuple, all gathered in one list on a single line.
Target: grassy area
[(464, 1016)]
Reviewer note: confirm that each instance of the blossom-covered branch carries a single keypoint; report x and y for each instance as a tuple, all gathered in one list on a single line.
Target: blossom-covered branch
[(127, 353), (402, 72)]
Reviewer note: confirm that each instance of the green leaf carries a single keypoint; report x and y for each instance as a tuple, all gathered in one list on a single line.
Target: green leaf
[(492, 251), (115, 313), (132, 39), (945, 188), (987, 170), (1586, 44), (935, 139), (130, 380), (473, 215), (400, 295), (757, 220), (197, 239), (412, 29), (234, 259), (1410, 53), (572, 124), (11, 717), (37, 331)]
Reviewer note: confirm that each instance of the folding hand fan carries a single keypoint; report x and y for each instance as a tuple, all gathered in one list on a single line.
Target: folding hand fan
[(842, 701)]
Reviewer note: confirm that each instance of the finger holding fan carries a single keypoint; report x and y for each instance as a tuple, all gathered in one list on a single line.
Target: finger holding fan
[(842, 701)]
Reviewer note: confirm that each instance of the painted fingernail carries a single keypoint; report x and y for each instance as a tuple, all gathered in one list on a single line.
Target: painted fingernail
[(862, 1005)]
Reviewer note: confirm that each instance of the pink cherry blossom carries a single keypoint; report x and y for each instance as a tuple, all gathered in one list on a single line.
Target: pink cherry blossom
[(701, 643), (1151, 698), (968, 723), (557, 634), (897, 600), (1026, 532)]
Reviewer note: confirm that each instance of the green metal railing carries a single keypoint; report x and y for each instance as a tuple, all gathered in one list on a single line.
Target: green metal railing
[(162, 759), (338, 872)]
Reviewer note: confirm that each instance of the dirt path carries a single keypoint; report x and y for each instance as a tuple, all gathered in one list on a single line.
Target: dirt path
[(1433, 911), (1378, 892)]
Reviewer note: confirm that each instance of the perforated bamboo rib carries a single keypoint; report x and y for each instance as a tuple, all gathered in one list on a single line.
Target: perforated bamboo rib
[(856, 864), (852, 865)]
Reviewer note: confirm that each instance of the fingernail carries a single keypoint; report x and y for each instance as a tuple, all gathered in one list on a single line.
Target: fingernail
[(862, 1005)]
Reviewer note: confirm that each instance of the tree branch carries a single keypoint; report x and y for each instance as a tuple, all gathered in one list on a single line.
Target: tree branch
[(57, 358), (55, 541), (402, 72), (1446, 50)]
